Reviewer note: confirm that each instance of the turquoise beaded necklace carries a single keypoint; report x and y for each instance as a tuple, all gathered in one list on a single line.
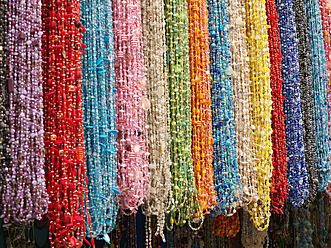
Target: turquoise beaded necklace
[(226, 173), (320, 87), (98, 88)]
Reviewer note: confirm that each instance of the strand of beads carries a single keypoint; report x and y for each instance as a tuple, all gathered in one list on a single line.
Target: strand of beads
[(260, 110), (202, 138), (320, 88), (153, 27), (183, 185), (227, 178), (98, 88), (25, 196), (279, 178), (131, 106), (250, 236), (241, 93), (64, 137), (5, 158), (306, 91), (297, 172)]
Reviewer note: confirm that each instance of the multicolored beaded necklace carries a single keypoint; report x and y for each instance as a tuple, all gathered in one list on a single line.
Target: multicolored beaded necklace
[(98, 97)]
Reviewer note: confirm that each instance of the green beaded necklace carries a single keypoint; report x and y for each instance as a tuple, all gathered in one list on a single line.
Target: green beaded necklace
[(184, 208)]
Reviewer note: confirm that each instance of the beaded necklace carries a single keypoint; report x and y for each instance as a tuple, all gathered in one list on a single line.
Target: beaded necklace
[(226, 178), (160, 197), (64, 137), (320, 88), (183, 184), (250, 236), (131, 106), (297, 173), (279, 178), (306, 91), (302, 227), (241, 93), (260, 100), (25, 197), (5, 159), (202, 138), (98, 88)]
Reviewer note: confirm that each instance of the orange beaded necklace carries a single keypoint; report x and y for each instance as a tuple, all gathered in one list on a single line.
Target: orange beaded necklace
[(202, 150)]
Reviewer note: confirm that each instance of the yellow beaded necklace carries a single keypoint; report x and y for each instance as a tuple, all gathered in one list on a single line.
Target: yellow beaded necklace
[(260, 108)]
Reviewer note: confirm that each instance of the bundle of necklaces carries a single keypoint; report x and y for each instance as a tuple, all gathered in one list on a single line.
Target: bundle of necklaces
[(320, 92), (241, 94), (64, 134), (185, 205), (297, 173), (24, 195), (226, 179), (306, 93), (98, 102), (160, 197), (279, 179), (260, 99), (131, 106), (202, 139)]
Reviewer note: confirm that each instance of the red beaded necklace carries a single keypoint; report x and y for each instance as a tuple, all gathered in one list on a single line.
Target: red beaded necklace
[(64, 140), (279, 179)]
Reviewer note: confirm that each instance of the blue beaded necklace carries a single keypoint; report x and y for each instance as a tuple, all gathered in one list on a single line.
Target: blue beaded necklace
[(320, 86), (98, 86), (226, 173), (297, 171)]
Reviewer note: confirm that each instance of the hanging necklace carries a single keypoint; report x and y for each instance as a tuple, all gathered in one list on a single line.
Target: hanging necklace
[(160, 197), (5, 89), (260, 101), (320, 88), (25, 196), (241, 93), (131, 106), (226, 178), (64, 138), (98, 95), (297, 173), (185, 204), (250, 236), (302, 227), (279, 178), (202, 138), (306, 91)]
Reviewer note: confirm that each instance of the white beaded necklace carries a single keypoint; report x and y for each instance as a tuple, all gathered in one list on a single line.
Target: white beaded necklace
[(153, 27), (241, 93)]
